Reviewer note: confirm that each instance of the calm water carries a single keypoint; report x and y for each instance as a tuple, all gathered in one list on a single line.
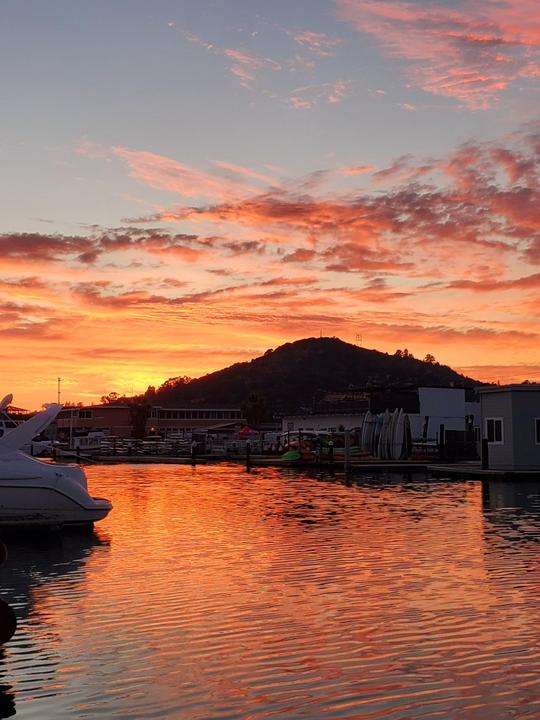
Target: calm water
[(213, 593)]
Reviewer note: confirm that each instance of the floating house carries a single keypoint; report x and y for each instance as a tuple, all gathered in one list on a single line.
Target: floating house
[(511, 426)]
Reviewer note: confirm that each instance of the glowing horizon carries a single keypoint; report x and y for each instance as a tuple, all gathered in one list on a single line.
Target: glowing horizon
[(213, 184)]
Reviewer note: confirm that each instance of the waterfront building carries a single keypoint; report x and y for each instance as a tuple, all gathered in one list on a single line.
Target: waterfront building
[(458, 409), (511, 425), (118, 420), (108, 418), (166, 421), (427, 407)]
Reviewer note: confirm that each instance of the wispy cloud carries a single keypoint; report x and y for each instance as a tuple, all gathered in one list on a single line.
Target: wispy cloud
[(307, 96), (467, 50), (319, 43), (254, 71), (243, 64)]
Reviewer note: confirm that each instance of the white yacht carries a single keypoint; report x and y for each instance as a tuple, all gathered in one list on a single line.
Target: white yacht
[(37, 493)]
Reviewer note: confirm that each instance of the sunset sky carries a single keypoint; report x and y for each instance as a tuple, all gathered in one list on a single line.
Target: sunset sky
[(187, 183)]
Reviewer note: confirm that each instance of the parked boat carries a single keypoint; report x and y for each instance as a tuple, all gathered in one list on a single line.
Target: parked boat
[(37, 493)]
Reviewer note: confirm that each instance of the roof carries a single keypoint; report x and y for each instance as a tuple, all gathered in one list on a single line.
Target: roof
[(522, 387)]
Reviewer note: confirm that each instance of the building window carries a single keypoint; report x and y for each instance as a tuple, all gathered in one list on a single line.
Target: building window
[(537, 430), (494, 431)]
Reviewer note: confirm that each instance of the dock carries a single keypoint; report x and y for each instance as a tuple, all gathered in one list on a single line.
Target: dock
[(475, 470), (458, 470)]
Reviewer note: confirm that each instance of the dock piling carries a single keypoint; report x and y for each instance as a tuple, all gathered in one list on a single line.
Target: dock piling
[(347, 462), (485, 454), (442, 449)]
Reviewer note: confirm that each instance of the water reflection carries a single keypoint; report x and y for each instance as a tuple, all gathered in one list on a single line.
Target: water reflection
[(41, 567), (522, 494), (269, 594), (512, 509), (7, 700)]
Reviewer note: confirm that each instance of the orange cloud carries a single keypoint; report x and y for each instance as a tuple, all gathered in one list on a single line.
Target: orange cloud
[(436, 255), (357, 169)]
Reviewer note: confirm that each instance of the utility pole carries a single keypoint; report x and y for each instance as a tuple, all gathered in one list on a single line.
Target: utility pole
[(59, 381)]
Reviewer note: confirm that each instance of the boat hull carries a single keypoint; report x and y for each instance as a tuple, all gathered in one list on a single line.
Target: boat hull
[(30, 505)]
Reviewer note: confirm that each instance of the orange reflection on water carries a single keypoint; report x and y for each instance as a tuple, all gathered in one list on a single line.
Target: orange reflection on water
[(223, 592)]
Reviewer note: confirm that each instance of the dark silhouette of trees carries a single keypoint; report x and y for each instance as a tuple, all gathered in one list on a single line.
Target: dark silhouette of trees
[(255, 410)]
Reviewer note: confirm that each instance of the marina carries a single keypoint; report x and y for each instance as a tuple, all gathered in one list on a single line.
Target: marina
[(269, 299), (212, 592)]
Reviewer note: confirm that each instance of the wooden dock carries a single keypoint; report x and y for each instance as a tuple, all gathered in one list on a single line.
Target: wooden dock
[(475, 470), (463, 470)]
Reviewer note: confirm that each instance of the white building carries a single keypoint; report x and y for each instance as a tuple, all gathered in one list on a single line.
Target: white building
[(435, 406), (319, 422), (443, 406)]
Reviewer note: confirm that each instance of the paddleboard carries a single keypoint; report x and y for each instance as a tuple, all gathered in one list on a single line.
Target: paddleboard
[(397, 437), (384, 432)]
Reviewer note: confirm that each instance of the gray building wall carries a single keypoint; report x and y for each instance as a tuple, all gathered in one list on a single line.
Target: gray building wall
[(526, 407), (499, 405), (518, 406)]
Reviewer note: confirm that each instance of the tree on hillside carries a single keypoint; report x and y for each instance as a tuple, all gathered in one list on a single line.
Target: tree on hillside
[(150, 393), (403, 354), (175, 382), (112, 398)]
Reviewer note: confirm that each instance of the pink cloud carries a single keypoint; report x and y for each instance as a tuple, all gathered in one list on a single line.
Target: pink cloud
[(246, 172), (469, 51), (166, 174), (483, 197)]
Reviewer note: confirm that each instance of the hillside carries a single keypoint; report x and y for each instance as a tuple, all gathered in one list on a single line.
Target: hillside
[(295, 374)]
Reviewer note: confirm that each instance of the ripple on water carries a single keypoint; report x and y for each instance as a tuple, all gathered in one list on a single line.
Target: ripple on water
[(213, 593)]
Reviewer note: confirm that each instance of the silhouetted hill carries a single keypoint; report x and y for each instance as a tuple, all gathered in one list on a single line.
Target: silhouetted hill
[(295, 374)]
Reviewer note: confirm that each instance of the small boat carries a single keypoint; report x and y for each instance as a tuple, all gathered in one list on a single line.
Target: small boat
[(37, 493)]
